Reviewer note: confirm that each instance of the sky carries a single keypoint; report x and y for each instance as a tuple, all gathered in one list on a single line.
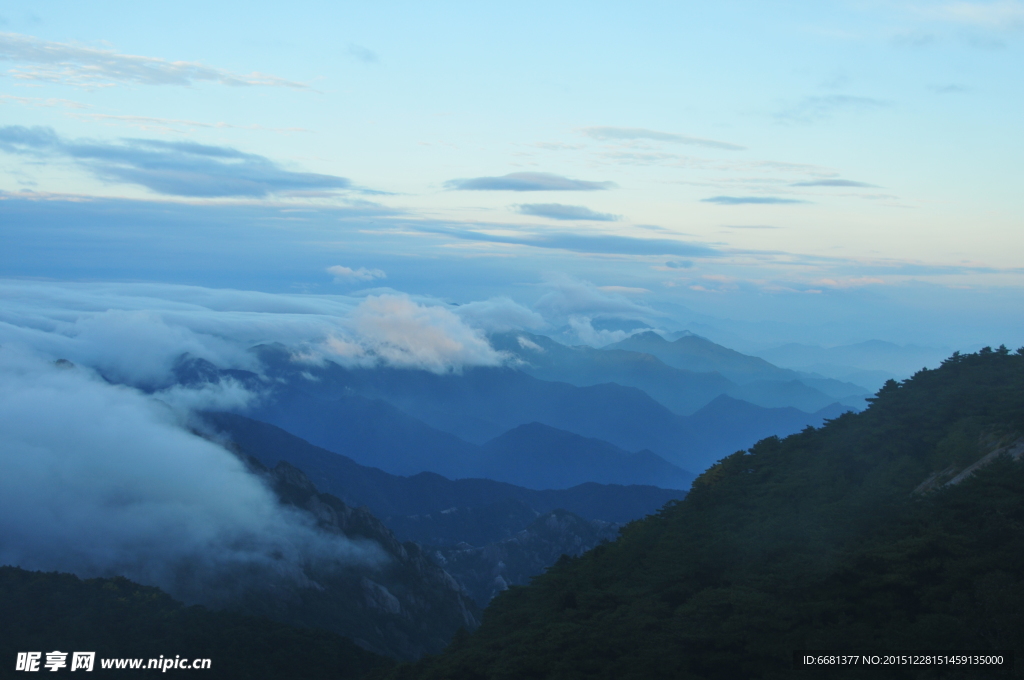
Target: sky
[(824, 173)]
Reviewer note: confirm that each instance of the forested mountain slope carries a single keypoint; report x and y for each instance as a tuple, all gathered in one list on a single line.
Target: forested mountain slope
[(824, 540), (116, 618)]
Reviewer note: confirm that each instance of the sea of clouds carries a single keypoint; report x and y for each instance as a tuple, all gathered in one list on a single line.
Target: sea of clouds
[(104, 472)]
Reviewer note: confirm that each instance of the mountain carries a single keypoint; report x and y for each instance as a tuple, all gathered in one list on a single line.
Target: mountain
[(488, 570), (427, 507), (542, 457), (477, 404), (403, 607), (116, 618), (827, 540), (679, 390), (727, 424), (756, 380), (371, 431), (694, 353), (375, 416)]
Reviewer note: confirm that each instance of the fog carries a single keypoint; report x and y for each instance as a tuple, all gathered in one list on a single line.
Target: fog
[(101, 480)]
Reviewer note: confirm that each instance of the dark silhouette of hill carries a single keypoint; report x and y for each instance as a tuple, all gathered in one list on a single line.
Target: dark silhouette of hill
[(828, 539), (116, 618), (402, 606), (480, 510)]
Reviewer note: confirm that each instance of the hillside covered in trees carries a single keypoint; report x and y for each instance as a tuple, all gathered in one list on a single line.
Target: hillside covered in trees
[(118, 618), (864, 534)]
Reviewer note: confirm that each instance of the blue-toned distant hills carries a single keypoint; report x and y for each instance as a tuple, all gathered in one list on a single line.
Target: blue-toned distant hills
[(406, 421)]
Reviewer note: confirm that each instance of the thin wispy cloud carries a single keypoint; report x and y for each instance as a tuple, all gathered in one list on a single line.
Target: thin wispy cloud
[(169, 168), (754, 200), (40, 102), (596, 244), (527, 181), (558, 211), (344, 274), (71, 64), (1002, 14), (363, 54), (819, 108), (834, 183), (621, 133), (151, 123)]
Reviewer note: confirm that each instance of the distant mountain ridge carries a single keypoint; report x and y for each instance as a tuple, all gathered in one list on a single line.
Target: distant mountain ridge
[(464, 509), (756, 380), (539, 456), (392, 418)]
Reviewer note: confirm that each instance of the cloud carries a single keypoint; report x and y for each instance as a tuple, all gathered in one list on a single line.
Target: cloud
[(347, 274), (527, 181), (499, 314), (569, 298), (363, 54), (834, 183), (849, 282), (170, 168), (641, 133), (70, 64), (679, 264), (135, 333), (822, 107), (393, 330), (758, 200), (1001, 14), (102, 480), (558, 211), (580, 243), (625, 290)]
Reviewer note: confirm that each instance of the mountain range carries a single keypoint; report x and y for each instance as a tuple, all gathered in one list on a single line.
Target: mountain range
[(897, 528), (457, 424)]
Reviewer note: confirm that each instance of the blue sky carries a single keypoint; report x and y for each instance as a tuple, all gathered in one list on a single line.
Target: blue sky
[(818, 172)]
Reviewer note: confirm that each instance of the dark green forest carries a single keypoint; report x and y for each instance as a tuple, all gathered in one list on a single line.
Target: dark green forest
[(118, 618), (843, 537)]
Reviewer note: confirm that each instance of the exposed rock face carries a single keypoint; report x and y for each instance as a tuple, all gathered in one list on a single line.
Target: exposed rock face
[(993, 447), (405, 608), (487, 570)]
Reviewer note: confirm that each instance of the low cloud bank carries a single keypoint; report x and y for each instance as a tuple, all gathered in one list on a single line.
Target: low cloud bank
[(101, 479), (135, 333), (103, 472)]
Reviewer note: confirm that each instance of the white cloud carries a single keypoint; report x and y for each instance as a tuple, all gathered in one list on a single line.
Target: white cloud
[(134, 333), (499, 314), (71, 64), (347, 274), (396, 331), (1001, 14), (101, 479), (570, 297), (585, 332)]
